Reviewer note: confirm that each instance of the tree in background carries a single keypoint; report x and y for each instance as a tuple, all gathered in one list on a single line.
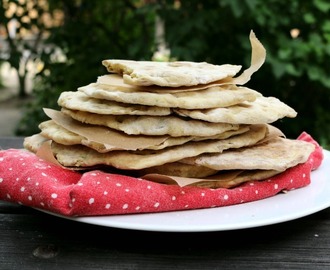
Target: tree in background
[(296, 35), (24, 24)]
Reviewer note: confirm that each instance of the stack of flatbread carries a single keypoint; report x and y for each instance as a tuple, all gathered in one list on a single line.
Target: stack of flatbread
[(173, 122)]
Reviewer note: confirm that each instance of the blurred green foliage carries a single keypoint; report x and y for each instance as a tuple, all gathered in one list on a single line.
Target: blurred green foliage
[(296, 35), (18, 24)]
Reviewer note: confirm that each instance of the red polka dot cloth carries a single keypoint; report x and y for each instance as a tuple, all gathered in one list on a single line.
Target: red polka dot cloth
[(26, 179)]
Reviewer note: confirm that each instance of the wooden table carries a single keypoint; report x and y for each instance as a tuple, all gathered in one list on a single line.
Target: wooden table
[(31, 239)]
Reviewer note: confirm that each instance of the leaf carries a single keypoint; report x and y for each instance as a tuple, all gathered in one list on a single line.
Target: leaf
[(313, 73), (284, 53), (326, 26), (322, 5), (293, 70), (278, 68), (309, 18)]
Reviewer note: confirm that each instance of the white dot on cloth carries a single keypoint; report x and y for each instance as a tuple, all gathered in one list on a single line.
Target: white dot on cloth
[(118, 185), (54, 195), (125, 206), (105, 192), (137, 208), (91, 201), (30, 198), (22, 189), (226, 197), (202, 194), (304, 175), (256, 191), (148, 187), (107, 206), (8, 196), (173, 198), (276, 186), (1, 180), (156, 204), (43, 174)]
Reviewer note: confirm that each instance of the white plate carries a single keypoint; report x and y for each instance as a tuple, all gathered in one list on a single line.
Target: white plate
[(280, 208)]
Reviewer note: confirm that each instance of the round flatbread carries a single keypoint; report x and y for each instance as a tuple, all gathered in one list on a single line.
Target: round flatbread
[(209, 98), (261, 111), (153, 125), (276, 154), (169, 74), (79, 101)]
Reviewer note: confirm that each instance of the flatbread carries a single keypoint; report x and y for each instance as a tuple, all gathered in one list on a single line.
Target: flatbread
[(169, 74), (52, 131), (55, 132), (80, 156), (115, 81), (209, 98), (153, 126), (76, 100), (34, 142), (61, 135), (261, 111), (277, 154)]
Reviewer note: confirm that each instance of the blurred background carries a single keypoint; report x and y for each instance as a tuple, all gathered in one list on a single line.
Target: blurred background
[(51, 46)]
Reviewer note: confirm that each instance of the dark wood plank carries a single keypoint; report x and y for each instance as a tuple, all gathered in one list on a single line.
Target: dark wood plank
[(38, 239), (11, 142)]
